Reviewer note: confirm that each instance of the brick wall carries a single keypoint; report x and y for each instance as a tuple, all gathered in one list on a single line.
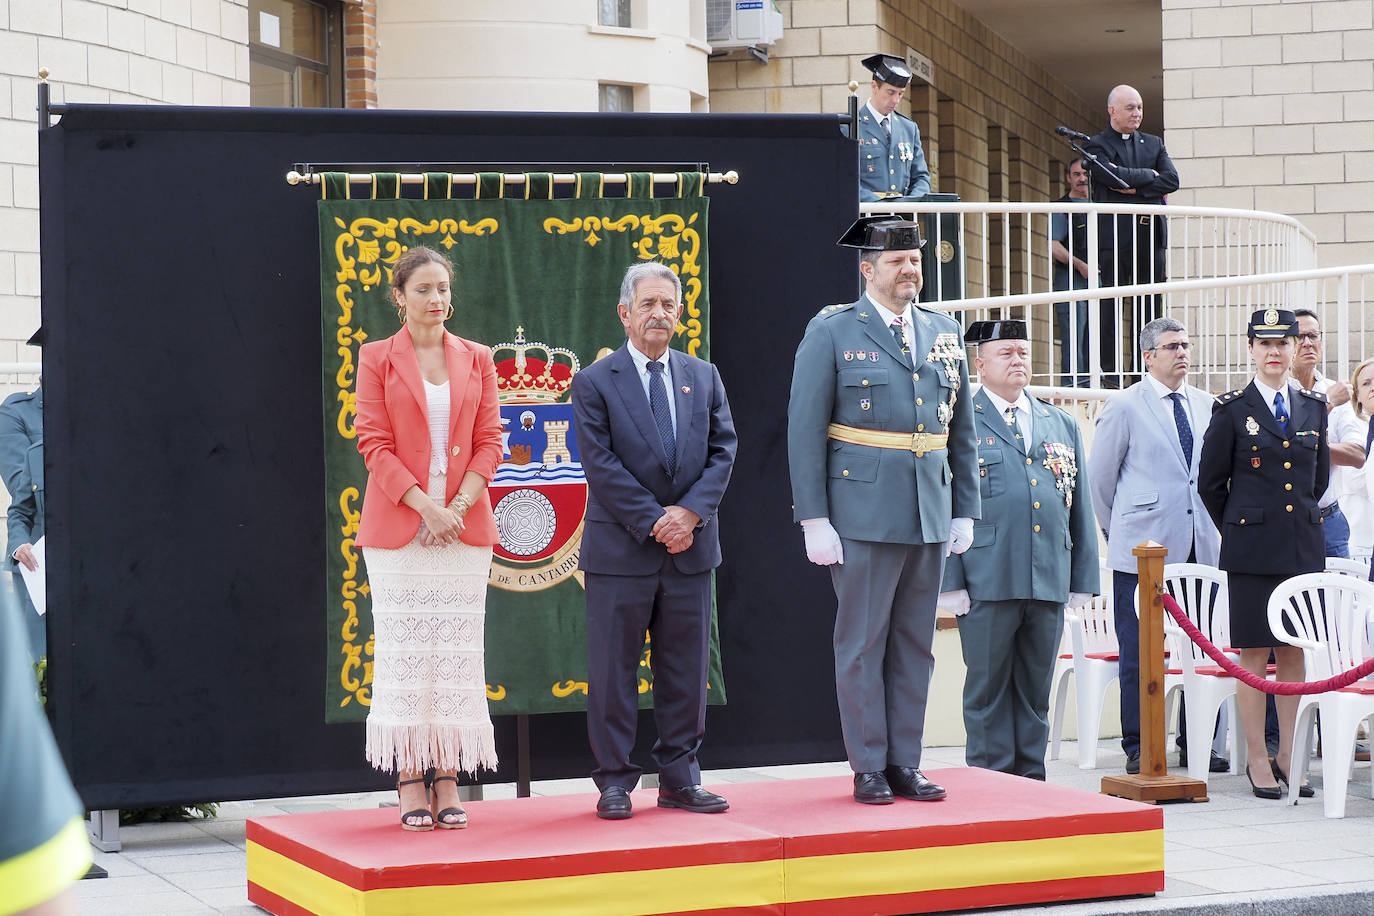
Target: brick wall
[(1271, 107), (185, 52), (360, 54)]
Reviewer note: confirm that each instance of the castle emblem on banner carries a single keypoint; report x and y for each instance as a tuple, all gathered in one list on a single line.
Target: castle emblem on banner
[(539, 494)]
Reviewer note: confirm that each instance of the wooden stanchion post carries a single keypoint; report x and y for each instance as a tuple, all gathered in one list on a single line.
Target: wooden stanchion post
[(1154, 782)]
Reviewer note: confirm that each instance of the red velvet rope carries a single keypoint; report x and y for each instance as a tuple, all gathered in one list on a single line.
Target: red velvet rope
[(1279, 688)]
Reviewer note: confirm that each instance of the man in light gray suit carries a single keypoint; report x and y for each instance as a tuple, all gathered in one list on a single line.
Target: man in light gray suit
[(1143, 474)]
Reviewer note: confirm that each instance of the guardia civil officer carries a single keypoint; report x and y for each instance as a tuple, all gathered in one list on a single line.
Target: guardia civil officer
[(1034, 550), (880, 447), (1264, 465), (892, 164)]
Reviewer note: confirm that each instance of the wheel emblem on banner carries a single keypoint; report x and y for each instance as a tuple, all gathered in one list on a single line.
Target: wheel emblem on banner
[(527, 522)]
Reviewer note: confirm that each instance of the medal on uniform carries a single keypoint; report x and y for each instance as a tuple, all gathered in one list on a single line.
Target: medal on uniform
[(873, 356), (1251, 426), (1062, 461), (865, 403), (1254, 462), (944, 413), (904, 150), (849, 356)]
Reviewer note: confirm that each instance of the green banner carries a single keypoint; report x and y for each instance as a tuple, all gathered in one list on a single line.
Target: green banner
[(537, 280)]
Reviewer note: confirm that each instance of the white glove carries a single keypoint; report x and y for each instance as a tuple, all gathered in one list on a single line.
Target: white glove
[(1078, 600), (956, 602), (960, 535), (822, 542)]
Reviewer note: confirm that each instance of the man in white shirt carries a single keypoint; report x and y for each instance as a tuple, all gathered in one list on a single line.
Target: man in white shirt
[(1346, 443)]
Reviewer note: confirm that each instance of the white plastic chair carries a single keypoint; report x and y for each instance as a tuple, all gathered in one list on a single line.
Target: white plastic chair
[(1357, 568), (1094, 665), (1201, 592), (1327, 615)]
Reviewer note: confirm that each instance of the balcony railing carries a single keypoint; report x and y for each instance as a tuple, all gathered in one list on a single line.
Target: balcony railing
[(1222, 265)]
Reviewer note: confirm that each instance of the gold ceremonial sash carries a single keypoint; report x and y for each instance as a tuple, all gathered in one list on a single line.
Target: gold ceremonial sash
[(920, 443)]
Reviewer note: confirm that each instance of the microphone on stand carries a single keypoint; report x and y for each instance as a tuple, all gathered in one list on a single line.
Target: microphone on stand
[(1066, 132)]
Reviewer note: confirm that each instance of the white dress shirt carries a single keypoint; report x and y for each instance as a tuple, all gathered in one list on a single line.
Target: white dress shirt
[(1023, 414), (887, 315), (642, 367)]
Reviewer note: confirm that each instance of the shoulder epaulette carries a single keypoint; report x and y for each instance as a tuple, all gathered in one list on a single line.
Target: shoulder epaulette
[(1314, 395), (1229, 396), (834, 309)]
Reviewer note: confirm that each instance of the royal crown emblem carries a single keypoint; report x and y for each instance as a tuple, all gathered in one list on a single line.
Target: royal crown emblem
[(539, 494), (532, 373)]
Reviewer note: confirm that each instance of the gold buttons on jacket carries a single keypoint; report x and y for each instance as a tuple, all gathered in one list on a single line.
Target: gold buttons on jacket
[(1037, 529), (864, 383), (845, 472), (919, 402), (1285, 443), (1028, 461), (1287, 508), (1033, 482), (1287, 465), (920, 427), (1035, 505), (1242, 521), (1288, 486)]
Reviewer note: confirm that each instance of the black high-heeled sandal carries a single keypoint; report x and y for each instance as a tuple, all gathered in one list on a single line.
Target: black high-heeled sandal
[(418, 812), (459, 813), (1304, 790), (1273, 793)]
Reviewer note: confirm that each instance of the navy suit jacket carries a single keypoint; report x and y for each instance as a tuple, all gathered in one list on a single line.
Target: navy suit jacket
[(627, 470)]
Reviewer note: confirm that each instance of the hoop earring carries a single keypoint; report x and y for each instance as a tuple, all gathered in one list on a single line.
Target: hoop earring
[(450, 312)]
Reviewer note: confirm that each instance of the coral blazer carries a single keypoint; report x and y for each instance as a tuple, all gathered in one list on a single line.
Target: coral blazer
[(393, 435)]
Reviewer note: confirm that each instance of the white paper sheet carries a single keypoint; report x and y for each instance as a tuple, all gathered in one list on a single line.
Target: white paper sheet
[(36, 581)]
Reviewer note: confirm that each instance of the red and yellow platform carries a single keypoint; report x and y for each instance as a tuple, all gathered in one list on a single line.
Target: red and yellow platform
[(788, 846)]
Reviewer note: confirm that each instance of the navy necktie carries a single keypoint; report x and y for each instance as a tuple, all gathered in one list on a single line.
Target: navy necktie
[(1185, 430), (663, 417), (1280, 412)]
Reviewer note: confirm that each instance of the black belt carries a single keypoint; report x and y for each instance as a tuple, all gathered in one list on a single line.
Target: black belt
[(1331, 510)]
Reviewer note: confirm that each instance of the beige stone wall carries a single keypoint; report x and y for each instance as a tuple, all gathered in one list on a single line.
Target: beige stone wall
[(538, 55), (1270, 106), (184, 52)]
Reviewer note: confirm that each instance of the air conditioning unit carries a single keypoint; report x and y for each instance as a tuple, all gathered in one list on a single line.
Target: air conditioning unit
[(742, 23)]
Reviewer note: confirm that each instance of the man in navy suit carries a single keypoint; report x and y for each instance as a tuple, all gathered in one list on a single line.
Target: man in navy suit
[(657, 445), (1131, 249)]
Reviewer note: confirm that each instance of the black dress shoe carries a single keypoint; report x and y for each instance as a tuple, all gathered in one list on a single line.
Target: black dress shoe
[(872, 789), (911, 783), (1215, 763), (614, 804), (692, 798), (1271, 792), (1133, 763), (1304, 790)]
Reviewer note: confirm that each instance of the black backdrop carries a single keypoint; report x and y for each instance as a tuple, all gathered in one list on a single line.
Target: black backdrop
[(181, 315)]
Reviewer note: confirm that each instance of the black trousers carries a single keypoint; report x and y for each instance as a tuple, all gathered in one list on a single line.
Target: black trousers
[(675, 609)]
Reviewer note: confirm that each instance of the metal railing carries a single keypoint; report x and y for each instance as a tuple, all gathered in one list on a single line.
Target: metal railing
[(1222, 264)]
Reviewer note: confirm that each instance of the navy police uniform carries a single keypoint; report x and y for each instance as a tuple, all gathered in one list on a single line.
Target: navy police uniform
[(1261, 484)]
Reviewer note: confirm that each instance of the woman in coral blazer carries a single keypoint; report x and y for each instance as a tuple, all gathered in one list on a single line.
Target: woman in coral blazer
[(429, 430)]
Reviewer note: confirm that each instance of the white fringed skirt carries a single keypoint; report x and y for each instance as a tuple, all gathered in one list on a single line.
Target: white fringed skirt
[(429, 686)]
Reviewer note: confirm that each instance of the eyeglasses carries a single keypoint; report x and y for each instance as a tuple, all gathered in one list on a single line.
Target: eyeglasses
[(1310, 337), (1174, 347)]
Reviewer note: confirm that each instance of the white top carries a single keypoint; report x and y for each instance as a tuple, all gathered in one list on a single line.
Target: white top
[(1348, 484), (437, 407), (641, 362)]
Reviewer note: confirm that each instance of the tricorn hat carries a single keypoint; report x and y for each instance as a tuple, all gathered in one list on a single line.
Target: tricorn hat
[(1005, 329), (882, 233), (37, 339), (888, 68)]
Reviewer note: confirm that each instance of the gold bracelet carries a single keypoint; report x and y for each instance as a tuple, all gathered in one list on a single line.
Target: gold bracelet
[(461, 503)]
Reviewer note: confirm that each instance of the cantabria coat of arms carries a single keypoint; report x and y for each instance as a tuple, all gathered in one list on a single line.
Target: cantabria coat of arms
[(539, 494)]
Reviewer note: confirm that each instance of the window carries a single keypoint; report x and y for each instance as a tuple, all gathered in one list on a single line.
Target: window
[(616, 13), (295, 52), (614, 97)]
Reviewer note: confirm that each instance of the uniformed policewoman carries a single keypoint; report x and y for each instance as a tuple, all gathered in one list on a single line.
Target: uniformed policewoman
[(1264, 465)]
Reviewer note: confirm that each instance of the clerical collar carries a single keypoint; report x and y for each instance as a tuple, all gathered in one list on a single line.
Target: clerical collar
[(1127, 136)]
